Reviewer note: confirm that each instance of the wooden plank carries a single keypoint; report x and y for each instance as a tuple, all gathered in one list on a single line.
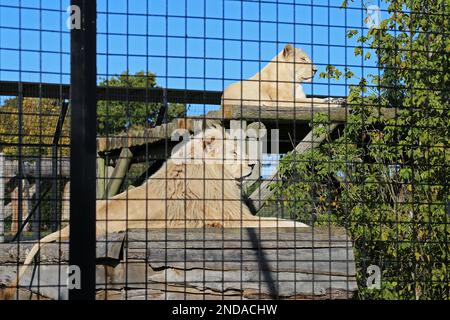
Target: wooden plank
[(108, 247), (330, 233), (227, 283), (336, 112), (274, 284), (300, 113), (342, 267), (135, 138), (259, 197), (182, 267), (285, 238), (166, 257)]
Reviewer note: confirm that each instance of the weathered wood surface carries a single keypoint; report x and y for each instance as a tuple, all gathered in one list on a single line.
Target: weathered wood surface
[(119, 173), (288, 263), (336, 112), (137, 137), (259, 197), (101, 177), (300, 113)]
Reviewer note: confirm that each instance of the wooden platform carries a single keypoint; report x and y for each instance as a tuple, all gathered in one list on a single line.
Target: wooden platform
[(337, 114), (302, 263)]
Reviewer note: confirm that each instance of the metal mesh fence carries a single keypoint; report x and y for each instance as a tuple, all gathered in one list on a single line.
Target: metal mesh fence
[(244, 149)]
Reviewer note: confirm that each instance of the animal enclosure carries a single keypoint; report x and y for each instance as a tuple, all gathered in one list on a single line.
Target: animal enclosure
[(198, 150)]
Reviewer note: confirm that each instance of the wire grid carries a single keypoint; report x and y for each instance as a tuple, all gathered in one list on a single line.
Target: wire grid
[(153, 57), (34, 135)]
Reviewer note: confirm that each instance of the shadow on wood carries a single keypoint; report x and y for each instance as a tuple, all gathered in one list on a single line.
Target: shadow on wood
[(266, 263)]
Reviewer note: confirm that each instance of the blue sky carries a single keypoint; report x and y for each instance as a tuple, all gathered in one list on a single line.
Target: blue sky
[(194, 44)]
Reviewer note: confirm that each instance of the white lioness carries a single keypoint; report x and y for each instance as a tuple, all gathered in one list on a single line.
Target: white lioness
[(195, 188), (277, 84)]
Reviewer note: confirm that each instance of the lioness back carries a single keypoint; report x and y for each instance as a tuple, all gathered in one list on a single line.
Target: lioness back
[(278, 81)]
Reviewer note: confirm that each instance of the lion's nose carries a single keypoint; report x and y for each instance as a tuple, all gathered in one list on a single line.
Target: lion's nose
[(314, 69)]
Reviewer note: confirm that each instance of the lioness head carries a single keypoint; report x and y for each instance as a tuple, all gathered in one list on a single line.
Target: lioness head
[(215, 147), (299, 63)]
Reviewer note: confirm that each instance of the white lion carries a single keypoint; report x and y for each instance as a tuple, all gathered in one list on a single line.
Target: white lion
[(197, 187), (277, 84)]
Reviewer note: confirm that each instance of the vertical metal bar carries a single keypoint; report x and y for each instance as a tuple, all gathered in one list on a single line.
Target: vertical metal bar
[(54, 196), (162, 114), (83, 150), (35, 225), (20, 157), (56, 199)]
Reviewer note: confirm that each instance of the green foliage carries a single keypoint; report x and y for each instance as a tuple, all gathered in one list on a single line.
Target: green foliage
[(386, 180), (117, 116), (39, 119)]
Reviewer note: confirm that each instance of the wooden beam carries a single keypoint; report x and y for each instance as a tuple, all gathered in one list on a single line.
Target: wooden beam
[(259, 197), (336, 112), (120, 172), (286, 263), (137, 137)]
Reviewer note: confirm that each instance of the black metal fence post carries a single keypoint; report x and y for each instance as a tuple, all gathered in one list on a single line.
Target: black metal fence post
[(83, 149)]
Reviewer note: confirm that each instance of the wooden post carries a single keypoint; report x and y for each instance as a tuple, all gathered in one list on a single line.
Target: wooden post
[(2, 198), (262, 193), (15, 211), (27, 205), (101, 178), (18, 200), (36, 219), (65, 207), (120, 172)]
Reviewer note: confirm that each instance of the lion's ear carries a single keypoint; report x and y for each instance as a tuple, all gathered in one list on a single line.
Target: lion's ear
[(288, 50)]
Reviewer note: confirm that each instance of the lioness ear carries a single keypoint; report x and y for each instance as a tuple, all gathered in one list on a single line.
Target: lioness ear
[(288, 50)]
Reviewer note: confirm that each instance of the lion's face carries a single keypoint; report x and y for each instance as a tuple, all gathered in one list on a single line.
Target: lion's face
[(304, 69), (236, 159), (215, 147)]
